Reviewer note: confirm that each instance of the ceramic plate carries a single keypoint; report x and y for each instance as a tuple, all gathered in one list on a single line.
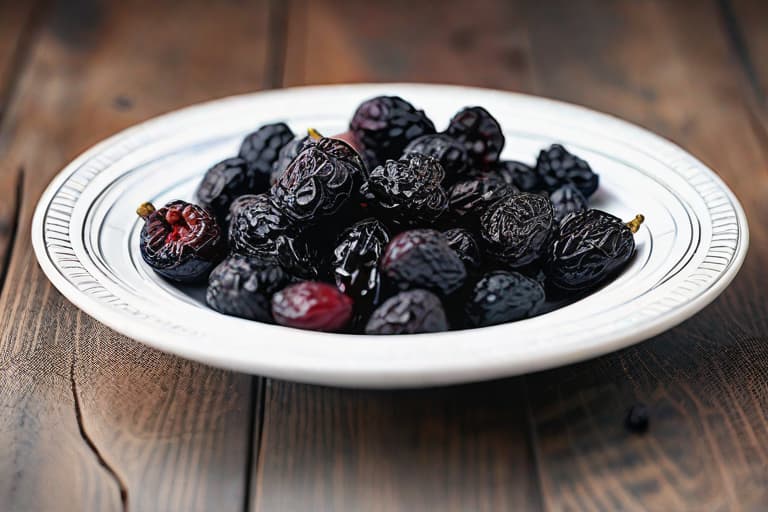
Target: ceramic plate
[(86, 237)]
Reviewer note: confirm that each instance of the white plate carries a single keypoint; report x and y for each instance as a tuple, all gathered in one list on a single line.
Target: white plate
[(85, 235)]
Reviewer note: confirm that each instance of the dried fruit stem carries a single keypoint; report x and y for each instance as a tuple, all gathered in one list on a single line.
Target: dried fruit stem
[(314, 134), (145, 209), (635, 223)]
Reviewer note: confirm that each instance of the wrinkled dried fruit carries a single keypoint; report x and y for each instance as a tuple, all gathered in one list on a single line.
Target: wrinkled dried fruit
[(422, 258), (287, 154), (312, 305), (356, 262), (522, 176), (501, 297), (223, 183), (446, 150), (557, 166), (516, 230), (407, 191), (591, 247), (181, 241), (409, 312), (320, 181), (261, 149), (464, 245), (480, 134), (383, 127), (468, 199), (567, 199), (243, 286)]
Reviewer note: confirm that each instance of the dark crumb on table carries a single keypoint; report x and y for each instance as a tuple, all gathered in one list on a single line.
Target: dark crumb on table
[(637, 419), (122, 102)]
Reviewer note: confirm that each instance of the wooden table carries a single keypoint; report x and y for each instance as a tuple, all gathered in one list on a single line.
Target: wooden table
[(91, 420)]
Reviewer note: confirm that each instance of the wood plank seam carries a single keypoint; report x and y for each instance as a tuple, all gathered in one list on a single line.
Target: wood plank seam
[(256, 427), (735, 35), (533, 446), (14, 227)]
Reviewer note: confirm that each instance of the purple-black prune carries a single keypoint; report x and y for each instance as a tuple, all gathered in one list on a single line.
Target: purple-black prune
[(355, 262), (181, 241), (516, 230), (522, 176), (408, 312), (286, 155), (464, 245), (557, 166), (468, 199), (480, 133), (567, 199), (500, 297), (261, 149), (223, 183), (446, 150)]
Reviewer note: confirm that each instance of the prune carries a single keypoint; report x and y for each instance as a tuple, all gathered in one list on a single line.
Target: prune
[(261, 149), (480, 133), (567, 199), (383, 127), (464, 245), (319, 181), (557, 166), (180, 241), (409, 312), (312, 305), (468, 199), (422, 258), (243, 286), (591, 247), (356, 262), (522, 176), (517, 229), (446, 150), (286, 156), (224, 182), (407, 191), (259, 228), (500, 297)]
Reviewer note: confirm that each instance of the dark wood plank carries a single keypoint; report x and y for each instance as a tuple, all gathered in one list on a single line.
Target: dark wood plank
[(747, 22), (462, 448), (671, 67), (89, 415)]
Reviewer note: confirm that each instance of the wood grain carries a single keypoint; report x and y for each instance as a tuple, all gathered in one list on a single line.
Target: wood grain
[(92, 420)]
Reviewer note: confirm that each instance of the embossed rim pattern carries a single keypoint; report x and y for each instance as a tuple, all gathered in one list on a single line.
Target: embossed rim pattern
[(710, 262)]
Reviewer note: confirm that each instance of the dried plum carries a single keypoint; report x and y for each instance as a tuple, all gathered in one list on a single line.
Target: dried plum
[(407, 191), (557, 166), (243, 286), (320, 181), (312, 305), (592, 245), (522, 176), (500, 297), (383, 127), (286, 156), (409, 312), (356, 262), (517, 229), (480, 133), (224, 182), (468, 199), (464, 245), (181, 241), (446, 150), (567, 199), (261, 149), (422, 258)]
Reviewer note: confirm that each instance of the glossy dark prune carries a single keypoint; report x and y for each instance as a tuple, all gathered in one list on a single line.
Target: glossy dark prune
[(500, 297), (591, 246), (480, 133), (355, 262), (222, 184), (443, 148), (557, 166), (320, 181), (261, 149), (422, 258), (243, 286), (516, 230), (312, 305), (286, 155), (407, 191), (408, 312), (522, 176), (464, 245), (468, 199), (181, 241), (566, 200), (383, 127)]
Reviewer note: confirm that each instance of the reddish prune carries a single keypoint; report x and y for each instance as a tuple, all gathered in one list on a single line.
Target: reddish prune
[(446, 150), (480, 133), (223, 183), (243, 286), (422, 258), (500, 297), (383, 127), (592, 246), (409, 312), (261, 149), (468, 199), (522, 176), (286, 156), (181, 241), (320, 181), (464, 245), (557, 166), (407, 191), (567, 199), (516, 230), (312, 305), (355, 262)]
